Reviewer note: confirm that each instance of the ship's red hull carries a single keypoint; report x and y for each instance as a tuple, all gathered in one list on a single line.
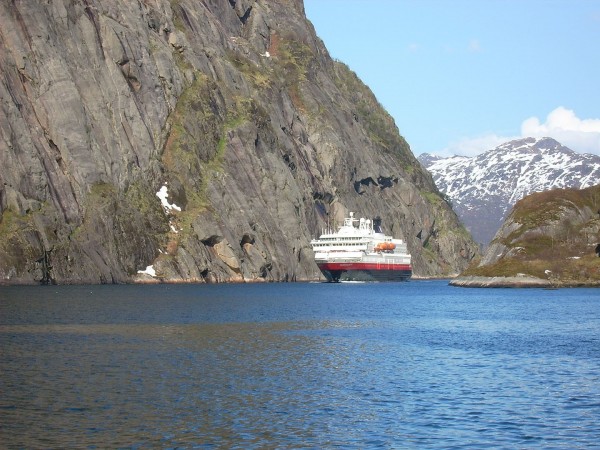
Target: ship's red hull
[(361, 271)]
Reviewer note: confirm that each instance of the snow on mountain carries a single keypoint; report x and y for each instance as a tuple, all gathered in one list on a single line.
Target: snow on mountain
[(484, 188)]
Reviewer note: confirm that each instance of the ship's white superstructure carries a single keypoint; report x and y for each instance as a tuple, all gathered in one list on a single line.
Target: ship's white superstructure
[(359, 250)]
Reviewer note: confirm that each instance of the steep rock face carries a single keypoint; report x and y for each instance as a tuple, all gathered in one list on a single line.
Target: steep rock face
[(193, 141), (552, 235), (484, 188)]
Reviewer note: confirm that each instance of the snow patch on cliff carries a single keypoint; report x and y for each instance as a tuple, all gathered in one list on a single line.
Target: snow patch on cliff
[(148, 271), (163, 193)]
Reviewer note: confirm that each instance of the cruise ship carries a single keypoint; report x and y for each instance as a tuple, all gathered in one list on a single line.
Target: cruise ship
[(359, 251)]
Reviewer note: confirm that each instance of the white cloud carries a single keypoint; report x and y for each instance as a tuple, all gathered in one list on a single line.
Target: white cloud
[(581, 135), (562, 124)]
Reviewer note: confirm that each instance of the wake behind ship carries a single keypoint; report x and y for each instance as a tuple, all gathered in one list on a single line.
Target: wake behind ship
[(361, 253)]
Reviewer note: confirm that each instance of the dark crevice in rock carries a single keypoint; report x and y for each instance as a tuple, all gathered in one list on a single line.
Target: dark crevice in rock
[(322, 210), (382, 182), (10, 88), (212, 240), (126, 70), (246, 15), (44, 261), (386, 182), (326, 197), (247, 239), (153, 21), (288, 160), (265, 269), (364, 182), (57, 155)]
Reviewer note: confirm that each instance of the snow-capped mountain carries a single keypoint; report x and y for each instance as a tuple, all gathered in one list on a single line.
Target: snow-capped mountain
[(484, 188)]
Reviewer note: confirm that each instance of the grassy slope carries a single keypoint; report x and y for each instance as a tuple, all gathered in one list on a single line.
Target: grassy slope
[(558, 232)]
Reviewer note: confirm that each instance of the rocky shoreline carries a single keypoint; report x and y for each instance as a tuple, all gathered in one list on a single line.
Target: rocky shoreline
[(521, 281)]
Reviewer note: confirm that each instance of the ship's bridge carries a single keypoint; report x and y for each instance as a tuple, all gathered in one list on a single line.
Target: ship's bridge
[(365, 227)]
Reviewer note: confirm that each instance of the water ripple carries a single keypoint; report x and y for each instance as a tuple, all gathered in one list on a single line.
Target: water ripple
[(441, 371)]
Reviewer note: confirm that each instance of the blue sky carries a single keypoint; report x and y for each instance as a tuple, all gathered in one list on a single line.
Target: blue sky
[(463, 76)]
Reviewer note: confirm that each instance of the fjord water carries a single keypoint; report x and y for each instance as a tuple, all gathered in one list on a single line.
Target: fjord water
[(312, 365)]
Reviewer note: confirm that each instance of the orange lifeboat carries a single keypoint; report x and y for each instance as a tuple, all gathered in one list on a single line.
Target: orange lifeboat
[(385, 246)]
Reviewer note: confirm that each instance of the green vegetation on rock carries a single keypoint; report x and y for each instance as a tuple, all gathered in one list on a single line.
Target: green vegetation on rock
[(379, 124), (15, 231), (256, 75), (550, 235), (293, 61)]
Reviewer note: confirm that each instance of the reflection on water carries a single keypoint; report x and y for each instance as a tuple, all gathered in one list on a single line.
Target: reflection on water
[(452, 372), (115, 385)]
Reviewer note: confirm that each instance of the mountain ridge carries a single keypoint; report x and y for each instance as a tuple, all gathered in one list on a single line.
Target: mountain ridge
[(483, 188)]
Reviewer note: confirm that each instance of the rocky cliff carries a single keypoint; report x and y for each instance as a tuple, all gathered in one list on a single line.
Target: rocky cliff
[(193, 141), (552, 236)]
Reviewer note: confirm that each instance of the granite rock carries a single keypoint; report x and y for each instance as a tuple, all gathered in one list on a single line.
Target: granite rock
[(233, 108)]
